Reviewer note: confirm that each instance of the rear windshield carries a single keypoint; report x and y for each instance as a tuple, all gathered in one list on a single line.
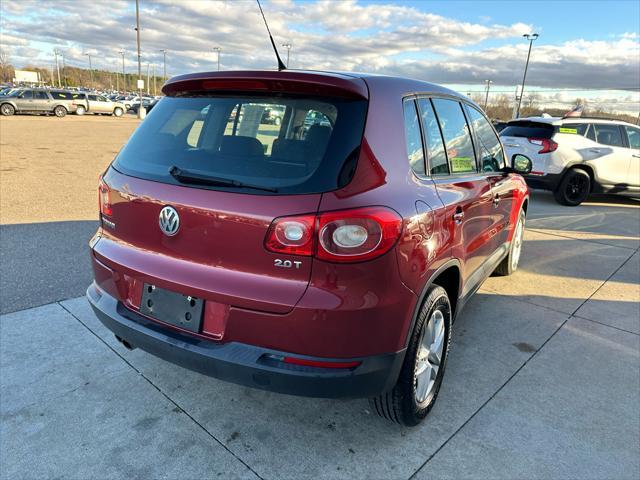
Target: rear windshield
[(528, 130), (291, 145)]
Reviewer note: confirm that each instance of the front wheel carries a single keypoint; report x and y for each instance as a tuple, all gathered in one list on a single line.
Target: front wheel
[(415, 393), (574, 188), (7, 109), (118, 112), (510, 263), (81, 110), (60, 111)]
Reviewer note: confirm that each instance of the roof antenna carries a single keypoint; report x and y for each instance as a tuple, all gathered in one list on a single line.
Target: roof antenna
[(281, 65)]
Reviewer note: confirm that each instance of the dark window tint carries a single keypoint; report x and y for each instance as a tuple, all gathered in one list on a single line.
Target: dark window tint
[(26, 94), (608, 135), (574, 128), (435, 146), (489, 148), (413, 138), (39, 95), (633, 134), (591, 133), (528, 129), (93, 98), (225, 137), (457, 138), (61, 95)]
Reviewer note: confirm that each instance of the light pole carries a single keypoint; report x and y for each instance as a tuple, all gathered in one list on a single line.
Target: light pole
[(531, 37), (148, 67), (486, 97), (218, 50), (288, 47), (124, 78), (90, 69), (140, 114), (164, 59), (64, 70), (154, 80), (56, 52)]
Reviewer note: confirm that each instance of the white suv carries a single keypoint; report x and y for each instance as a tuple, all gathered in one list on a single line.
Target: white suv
[(574, 157)]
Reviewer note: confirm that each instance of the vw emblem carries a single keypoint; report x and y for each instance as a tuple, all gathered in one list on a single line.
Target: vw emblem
[(169, 221)]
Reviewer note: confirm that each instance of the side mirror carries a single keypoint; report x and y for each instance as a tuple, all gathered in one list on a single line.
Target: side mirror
[(521, 164)]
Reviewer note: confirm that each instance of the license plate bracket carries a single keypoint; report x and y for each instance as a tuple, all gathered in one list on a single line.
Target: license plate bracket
[(183, 311)]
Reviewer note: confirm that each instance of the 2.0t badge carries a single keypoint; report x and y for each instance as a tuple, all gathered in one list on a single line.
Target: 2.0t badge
[(169, 221)]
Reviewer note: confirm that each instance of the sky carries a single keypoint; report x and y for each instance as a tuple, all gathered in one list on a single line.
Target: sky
[(587, 49)]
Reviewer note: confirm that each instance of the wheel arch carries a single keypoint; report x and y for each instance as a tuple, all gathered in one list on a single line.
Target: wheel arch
[(448, 276), (582, 166)]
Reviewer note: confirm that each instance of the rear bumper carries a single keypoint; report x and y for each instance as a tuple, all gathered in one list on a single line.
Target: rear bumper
[(549, 181), (246, 364)]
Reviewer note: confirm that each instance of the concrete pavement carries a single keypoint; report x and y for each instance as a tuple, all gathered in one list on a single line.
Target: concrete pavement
[(543, 381)]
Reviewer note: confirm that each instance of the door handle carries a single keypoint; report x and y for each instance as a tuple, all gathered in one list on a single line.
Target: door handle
[(496, 200), (511, 145), (594, 150), (458, 217)]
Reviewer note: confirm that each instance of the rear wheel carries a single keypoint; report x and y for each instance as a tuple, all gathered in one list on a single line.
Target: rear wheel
[(7, 109), (60, 111), (117, 112), (574, 188), (510, 262), (417, 388), (81, 110), (278, 121)]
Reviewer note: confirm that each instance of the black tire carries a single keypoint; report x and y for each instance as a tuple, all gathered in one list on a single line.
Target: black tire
[(60, 111), (400, 405), (7, 109), (574, 188), (510, 263)]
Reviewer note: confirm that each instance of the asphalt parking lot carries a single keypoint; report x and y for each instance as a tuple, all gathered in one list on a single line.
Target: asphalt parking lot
[(543, 380)]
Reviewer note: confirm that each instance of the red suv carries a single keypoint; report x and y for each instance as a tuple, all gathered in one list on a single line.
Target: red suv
[(326, 255)]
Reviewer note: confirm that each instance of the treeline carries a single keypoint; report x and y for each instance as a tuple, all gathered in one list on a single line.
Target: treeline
[(500, 107), (83, 77)]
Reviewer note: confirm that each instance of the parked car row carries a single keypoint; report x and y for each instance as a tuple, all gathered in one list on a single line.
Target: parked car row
[(62, 102), (574, 157)]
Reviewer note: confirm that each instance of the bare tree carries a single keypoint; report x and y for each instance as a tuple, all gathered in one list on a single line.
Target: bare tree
[(6, 69)]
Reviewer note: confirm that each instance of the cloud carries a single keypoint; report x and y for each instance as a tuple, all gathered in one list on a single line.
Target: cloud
[(338, 35)]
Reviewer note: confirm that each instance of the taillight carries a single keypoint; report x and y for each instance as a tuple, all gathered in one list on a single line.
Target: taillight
[(104, 197), (292, 235), (357, 235), (547, 144), (341, 236)]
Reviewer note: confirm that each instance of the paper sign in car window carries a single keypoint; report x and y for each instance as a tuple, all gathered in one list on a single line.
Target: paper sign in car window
[(462, 164), (568, 130)]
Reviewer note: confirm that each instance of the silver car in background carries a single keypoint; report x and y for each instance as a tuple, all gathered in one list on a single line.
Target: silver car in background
[(36, 101)]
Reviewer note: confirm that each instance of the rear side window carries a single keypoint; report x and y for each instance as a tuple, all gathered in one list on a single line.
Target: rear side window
[(633, 134), (489, 147), (457, 138), (528, 129), (608, 135), (433, 139), (312, 147), (62, 95), (40, 95), (413, 137), (574, 128)]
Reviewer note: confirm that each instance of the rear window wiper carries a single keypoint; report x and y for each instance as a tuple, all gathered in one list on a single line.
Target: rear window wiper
[(193, 178)]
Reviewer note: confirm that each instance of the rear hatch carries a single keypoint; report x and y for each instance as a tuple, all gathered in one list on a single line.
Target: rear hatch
[(208, 154), (529, 138)]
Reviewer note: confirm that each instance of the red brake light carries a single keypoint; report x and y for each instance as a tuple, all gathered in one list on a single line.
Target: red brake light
[(104, 196), (547, 144), (358, 234), (292, 235), (342, 236)]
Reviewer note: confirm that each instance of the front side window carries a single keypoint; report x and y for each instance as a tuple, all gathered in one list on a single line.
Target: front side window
[(633, 134), (457, 138), (489, 147), (93, 98), (608, 135), (27, 94), (433, 139), (413, 138), (235, 138)]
